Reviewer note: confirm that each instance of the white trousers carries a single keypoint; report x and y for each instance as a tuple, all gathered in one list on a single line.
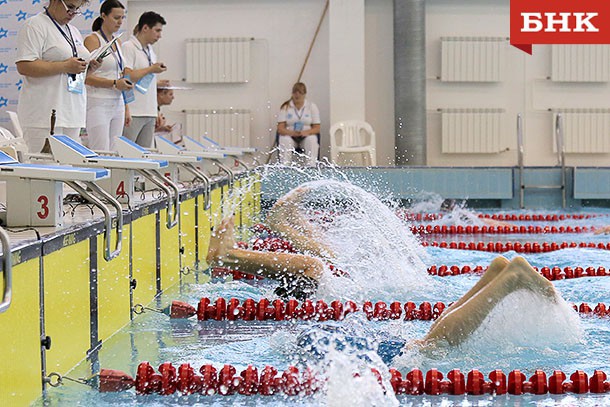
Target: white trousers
[(35, 136), (105, 120), (287, 146)]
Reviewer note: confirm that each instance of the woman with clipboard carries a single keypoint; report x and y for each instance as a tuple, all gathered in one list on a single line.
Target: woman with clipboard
[(53, 61), (106, 111)]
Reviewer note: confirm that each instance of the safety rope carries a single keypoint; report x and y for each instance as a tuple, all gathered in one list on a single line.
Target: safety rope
[(227, 381), (527, 247), (550, 273), (222, 309), (508, 217), (497, 229)]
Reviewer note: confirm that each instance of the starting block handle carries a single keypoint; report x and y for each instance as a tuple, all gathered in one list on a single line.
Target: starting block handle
[(226, 170), (173, 211), (7, 294), (109, 254), (243, 164), (206, 180)]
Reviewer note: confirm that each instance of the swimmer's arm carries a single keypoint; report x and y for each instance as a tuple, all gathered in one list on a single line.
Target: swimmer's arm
[(274, 265)]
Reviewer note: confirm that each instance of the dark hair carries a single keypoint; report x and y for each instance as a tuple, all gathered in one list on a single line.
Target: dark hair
[(149, 18), (447, 205), (297, 87), (105, 8)]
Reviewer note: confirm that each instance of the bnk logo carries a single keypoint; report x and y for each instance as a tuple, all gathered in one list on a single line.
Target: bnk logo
[(558, 22)]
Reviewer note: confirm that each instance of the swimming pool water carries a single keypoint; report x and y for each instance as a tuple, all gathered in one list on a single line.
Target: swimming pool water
[(155, 338)]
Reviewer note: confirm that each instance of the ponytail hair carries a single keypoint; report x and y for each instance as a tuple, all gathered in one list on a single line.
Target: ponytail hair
[(297, 87), (105, 8)]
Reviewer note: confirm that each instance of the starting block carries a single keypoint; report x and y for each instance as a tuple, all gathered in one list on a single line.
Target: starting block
[(121, 183), (167, 147), (34, 193), (207, 144), (128, 149)]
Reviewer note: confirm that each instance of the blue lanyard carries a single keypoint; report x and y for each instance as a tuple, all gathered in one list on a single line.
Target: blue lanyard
[(69, 39), (117, 55), (301, 111), (147, 55)]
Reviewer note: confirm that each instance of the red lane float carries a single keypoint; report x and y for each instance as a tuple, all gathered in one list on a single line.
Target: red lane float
[(550, 273), (507, 217), (209, 381), (497, 229), (528, 247), (280, 310)]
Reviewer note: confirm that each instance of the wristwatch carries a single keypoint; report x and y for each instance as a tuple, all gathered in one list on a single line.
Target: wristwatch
[(114, 84)]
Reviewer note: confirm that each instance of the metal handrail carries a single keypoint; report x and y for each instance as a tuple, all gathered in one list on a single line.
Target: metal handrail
[(109, 254), (561, 154), (206, 180), (226, 170), (173, 215), (7, 294), (520, 157)]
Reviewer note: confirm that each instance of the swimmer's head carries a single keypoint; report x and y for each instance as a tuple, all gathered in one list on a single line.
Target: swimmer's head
[(447, 205)]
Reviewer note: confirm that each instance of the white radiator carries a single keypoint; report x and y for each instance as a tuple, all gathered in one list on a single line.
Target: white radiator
[(470, 131), (584, 130), (580, 63), (227, 127), (218, 60), (472, 59)]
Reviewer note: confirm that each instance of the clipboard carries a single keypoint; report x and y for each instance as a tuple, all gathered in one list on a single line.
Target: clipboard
[(105, 50)]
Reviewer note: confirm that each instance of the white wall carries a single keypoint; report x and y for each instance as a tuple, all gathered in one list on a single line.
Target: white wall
[(283, 31), (524, 88)]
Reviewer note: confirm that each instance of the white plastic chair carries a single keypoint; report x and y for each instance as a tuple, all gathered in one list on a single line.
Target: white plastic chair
[(16, 125), (7, 139), (353, 137)]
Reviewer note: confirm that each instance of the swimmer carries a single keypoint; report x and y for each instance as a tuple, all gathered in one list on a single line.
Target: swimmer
[(602, 230), (466, 216), (502, 278), (298, 273), (455, 325)]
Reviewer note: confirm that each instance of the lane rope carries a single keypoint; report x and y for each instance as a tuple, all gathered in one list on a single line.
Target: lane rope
[(209, 381), (232, 309)]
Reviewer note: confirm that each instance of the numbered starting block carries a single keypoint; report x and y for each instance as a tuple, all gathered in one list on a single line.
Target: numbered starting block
[(34, 193), (128, 149), (207, 144), (121, 184)]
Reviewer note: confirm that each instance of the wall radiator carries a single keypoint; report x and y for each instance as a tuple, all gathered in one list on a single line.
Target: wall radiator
[(472, 59), (584, 130), (580, 63), (470, 131), (227, 127), (218, 60)]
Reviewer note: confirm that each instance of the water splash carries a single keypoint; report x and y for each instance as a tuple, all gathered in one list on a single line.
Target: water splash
[(381, 255)]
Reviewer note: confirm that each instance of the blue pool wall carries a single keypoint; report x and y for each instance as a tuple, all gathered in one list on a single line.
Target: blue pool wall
[(490, 187)]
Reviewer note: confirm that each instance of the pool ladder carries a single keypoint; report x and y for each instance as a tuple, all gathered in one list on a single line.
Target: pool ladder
[(560, 157)]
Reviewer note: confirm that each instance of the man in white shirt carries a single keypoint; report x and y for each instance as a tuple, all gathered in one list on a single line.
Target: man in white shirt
[(141, 66)]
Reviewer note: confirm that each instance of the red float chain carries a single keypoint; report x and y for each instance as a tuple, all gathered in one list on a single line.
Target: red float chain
[(550, 273), (496, 229), (280, 310), (209, 381), (508, 217), (528, 247)]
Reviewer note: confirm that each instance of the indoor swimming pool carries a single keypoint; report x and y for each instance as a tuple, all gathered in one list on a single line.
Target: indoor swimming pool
[(385, 262)]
